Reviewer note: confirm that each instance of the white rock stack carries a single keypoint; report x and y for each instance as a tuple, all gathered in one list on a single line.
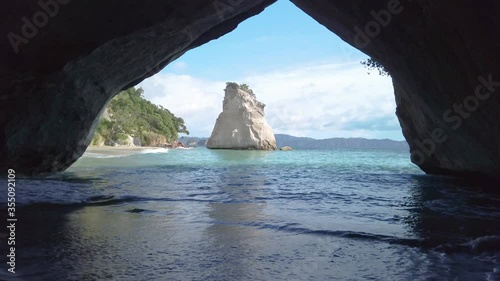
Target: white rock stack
[(241, 125)]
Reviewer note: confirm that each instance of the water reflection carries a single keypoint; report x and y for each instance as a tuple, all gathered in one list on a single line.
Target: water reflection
[(233, 241), (445, 210), (238, 229), (459, 227), (41, 243), (240, 156)]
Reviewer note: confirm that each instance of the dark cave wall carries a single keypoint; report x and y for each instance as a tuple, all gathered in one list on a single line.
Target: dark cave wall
[(436, 52), (56, 82)]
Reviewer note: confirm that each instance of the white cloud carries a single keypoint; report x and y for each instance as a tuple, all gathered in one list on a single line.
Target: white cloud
[(321, 101), (197, 101), (325, 100)]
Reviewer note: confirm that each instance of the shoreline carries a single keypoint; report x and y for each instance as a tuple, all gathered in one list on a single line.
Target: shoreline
[(123, 147), (119, 150)]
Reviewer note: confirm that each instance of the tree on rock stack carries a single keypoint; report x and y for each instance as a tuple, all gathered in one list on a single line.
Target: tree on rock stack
[(241, 125)]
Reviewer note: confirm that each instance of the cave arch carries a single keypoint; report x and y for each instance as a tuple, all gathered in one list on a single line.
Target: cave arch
[(63, 60)]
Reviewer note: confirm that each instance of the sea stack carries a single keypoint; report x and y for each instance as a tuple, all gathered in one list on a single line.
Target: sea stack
[(241, 125)]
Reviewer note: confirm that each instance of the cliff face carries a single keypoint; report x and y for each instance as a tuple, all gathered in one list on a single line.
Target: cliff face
[(444, 61), (241, 125), (63, 60)]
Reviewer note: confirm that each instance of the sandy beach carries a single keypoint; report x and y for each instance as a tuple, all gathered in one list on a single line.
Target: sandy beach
[(119, 150)]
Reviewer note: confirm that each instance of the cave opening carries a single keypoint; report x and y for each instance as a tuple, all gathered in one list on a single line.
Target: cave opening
[(87, 62), (200, 214), (312, 82)]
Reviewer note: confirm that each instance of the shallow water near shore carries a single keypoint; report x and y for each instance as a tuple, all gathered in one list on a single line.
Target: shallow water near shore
[(202, 214)]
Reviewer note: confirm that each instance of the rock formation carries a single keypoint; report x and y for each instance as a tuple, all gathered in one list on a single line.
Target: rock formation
[(242, 124), (63, 60)]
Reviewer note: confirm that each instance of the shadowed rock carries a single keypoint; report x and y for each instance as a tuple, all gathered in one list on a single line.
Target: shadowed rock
[(442, 56)]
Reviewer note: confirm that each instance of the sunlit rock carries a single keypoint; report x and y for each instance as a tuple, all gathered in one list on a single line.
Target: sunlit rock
[(242, 124)]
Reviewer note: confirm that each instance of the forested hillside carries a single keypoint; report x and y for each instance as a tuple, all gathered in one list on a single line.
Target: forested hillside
[(131, 118)]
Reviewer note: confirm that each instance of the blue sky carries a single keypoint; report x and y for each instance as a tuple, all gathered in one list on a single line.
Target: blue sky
[(311, 81)]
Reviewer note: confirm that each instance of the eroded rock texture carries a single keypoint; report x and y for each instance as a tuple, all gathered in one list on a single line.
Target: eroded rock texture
[(64, 67), (442, 55), (242, 124), (436, 52)]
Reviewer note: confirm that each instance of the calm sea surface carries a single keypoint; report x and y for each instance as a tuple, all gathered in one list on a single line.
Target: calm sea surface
[(203, 214)]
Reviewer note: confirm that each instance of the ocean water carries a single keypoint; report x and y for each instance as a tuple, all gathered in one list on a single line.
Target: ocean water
[(200, 214)]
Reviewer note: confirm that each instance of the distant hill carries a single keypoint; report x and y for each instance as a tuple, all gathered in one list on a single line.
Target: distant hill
[(308, 143), (304, 142), (193, 141)]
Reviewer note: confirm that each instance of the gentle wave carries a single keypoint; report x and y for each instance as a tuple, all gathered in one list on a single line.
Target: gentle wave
[(101, 156), (154, 151), (481, 245), (111, 200), (477, 246), (341, 234), (124, 153)]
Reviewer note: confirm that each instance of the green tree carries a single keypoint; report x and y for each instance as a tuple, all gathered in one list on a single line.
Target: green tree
[(246, 88), (131, 114), (243, 87), (372, 64)]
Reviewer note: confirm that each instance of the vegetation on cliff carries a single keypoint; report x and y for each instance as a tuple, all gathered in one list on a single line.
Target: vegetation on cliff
[(130, 115), (243, 87), (372, 64)]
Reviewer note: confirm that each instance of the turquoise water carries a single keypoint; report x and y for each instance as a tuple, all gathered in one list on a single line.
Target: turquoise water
[(342, 160), (200, 214)]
